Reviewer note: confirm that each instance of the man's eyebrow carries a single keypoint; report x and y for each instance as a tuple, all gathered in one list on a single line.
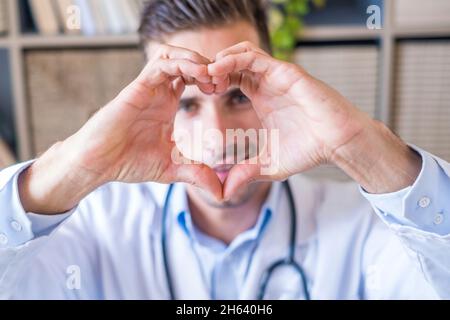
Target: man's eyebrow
[(188, 100)]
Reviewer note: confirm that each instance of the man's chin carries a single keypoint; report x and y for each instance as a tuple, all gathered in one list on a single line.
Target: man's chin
[(239, 199)]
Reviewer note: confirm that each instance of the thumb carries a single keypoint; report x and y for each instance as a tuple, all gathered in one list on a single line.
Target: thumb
[(202, 176), (240, 176)]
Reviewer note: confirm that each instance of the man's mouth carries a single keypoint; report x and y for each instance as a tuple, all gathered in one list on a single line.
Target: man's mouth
[(222, 171)]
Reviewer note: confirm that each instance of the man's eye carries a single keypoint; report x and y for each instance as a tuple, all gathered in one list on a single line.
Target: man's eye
[(239, 99), (188, 107)]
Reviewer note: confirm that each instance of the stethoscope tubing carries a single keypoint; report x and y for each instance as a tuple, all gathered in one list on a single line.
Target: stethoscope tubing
[(288, 261)]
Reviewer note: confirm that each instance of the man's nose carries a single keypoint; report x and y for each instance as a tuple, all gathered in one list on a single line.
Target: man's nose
[(215, 124), (214, 118)]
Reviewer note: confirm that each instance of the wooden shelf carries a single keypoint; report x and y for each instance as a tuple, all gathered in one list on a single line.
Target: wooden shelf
[(417, 32), (339, 33), (40, 42), (344, 33), (31, 41), (348, 33), (4, 42)]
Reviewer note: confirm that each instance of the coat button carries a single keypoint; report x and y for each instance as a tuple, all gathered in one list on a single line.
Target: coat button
[(16, 226), (424, 202), (438, 219), (3, 239)]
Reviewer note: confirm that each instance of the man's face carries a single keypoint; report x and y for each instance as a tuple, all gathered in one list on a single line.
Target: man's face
[(201, 117)]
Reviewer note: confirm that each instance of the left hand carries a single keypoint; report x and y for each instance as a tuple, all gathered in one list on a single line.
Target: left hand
[(315, 122)]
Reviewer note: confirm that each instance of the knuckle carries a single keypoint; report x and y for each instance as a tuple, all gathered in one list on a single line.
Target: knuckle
[(157, 66), (220, 55), (163, 51), (247, 43), (194, 55)]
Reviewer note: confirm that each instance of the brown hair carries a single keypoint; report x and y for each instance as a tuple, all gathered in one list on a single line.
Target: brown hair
[(164, 17)]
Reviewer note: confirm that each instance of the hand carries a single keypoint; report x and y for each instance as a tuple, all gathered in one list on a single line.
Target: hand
[(313, 120), (129, 140), (316, 124)]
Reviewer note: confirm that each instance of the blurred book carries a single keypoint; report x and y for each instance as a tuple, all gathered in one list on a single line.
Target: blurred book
[(65, 9), (3, 17), (99, 16), (131, 18), (95, 17), (350, 69), (6, 156), (422, 95), (116, 22), (88, 25), (419, 13), (66, 87), (44, 16)]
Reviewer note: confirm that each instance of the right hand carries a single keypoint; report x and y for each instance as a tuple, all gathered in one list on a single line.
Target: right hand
[(128, 140)]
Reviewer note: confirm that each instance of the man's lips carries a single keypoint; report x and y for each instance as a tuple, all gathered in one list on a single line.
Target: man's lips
[(222, 171)]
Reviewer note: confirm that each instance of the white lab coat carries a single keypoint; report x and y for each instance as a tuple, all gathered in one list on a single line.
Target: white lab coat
[(113, 239)]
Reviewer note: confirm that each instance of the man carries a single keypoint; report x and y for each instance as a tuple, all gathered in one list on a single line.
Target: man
[(88, 219)]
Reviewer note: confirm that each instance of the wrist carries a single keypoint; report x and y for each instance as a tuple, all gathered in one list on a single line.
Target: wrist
[(55, 183), (378, 160)]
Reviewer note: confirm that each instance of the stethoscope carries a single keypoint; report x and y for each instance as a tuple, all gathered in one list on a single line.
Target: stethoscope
[(288, 261)]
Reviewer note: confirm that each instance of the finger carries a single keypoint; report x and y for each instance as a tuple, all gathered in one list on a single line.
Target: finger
[(178, 86), (202, 176), (206, 88), (222, 84), (241, 47), (164, 70), (251, 61), (188, 80), (236, 78), (219, 79), (166, 52), (172, 52), (227, 81), (240, 176)]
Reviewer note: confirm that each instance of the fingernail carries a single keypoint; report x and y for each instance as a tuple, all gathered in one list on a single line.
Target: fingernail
[(216, 80), (205, 79), (211, 68), (208, 90)]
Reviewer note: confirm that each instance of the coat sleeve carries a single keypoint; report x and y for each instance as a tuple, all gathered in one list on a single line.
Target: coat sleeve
[(419, 216), (25, 236)]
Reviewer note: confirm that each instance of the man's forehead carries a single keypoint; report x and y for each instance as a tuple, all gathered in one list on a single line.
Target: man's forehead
[(210, 41)]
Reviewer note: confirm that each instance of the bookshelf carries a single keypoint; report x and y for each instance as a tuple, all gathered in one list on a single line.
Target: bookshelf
[(386, 41), (62, 41), (17, 43)]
